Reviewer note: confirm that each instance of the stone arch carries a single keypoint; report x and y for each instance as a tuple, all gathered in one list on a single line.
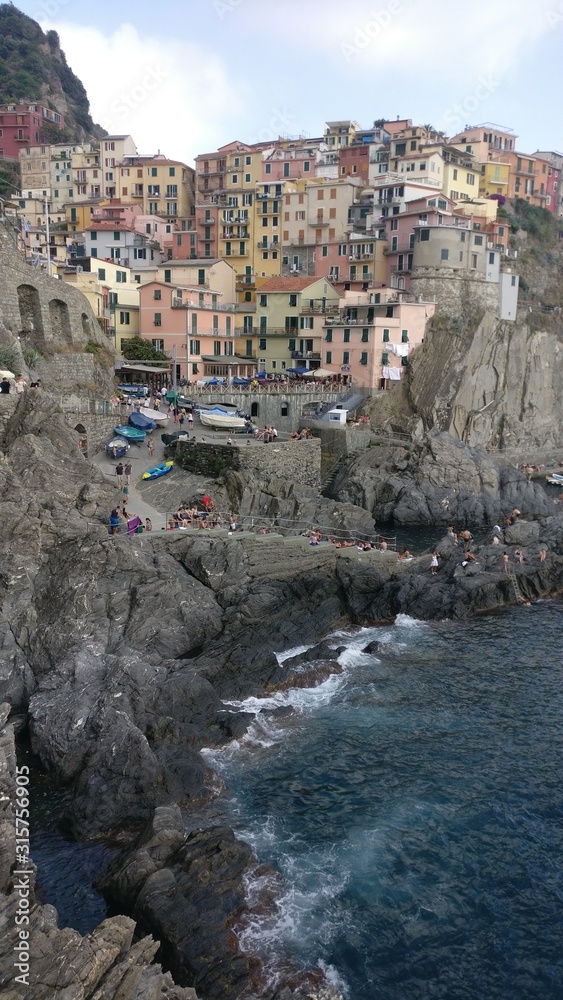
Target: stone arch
[(60, 321), (82, 439), (86, 327), (31, 319), (254, 409)]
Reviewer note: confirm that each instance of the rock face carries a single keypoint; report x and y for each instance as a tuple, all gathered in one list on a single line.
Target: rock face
[(104, 965), (438, 481), (499, 381), (121, 650)]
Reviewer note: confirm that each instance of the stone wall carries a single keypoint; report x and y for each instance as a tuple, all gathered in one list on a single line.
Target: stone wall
[(294, 461), (281, 409), (42, 312), (452, 292)]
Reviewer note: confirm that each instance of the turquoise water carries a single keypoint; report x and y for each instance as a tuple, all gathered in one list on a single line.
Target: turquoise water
[(413, 805)]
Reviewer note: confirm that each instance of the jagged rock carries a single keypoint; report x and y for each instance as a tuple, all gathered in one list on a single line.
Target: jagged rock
[(445, 481), (188, 893)]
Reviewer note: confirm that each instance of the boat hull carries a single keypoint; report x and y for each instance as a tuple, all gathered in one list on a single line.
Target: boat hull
[(117, 447), (222, 421), (131, 434), (158, 417), (158, 471), (141, 422)]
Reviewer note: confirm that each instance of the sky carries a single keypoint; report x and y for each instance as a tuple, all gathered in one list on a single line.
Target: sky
[(187, 76)]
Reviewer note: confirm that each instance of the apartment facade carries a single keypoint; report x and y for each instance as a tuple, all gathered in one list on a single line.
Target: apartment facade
[(289, 318), (24, 125), (368, 338)]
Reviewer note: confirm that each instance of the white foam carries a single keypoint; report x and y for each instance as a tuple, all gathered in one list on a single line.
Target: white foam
[(407, 622)]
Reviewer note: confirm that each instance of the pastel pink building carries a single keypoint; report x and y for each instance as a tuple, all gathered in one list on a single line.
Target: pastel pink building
[(401, 232), (193, 325), (370, 336)]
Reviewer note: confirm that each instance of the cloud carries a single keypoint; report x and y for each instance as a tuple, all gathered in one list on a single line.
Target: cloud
[(172, 95)]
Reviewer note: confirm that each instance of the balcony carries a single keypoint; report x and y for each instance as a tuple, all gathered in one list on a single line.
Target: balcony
[(400, 248), (317, 223), (206, 222)]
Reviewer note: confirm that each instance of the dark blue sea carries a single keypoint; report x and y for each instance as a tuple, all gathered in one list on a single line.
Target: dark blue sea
[(413, 805)]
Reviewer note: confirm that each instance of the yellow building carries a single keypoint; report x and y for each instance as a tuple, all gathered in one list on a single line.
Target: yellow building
[(460, 178), (342, 133), (291, 313), (161, 186), (113, 293), (79, 217), (494, 179)]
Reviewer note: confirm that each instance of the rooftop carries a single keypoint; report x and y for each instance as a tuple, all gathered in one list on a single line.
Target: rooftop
[(279, 284)]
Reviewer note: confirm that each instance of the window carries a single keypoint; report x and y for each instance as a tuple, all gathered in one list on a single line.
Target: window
[(364, 358), (201, 276), (471, 179), (386, 336), (346, 336), (268, 169), (462, 237), (154, 172), (444, 254), (158, 319), (172, 171), (474, 261), (291, 344), (424, 235), (194, 324), (235, 178), (293, 300), (216, 347), (102, 273), (455, 174), (263, 300), (121, 276), (195, 347), (404, 336), (346, 357), (137, 278), (215, 324), (168, 275), (328, 337), (306, 166), (262, 344), (329, 357), (513, 280), (124, 318), (389, 312), (157, 294), (93, 236), (365, 336), (248, 350), (385, 358), (478, 241), (491, 258)]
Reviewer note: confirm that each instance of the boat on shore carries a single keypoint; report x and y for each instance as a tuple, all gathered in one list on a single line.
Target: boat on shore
[(158, 471), (222, 421), (133, 434), (554, 479), (117, 447), (159, 417), (142, 422)]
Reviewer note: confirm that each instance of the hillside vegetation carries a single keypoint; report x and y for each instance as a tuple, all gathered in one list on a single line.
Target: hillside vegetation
[(33, 67)]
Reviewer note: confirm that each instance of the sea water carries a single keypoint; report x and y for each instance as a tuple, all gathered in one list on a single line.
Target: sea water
[(413, 806)]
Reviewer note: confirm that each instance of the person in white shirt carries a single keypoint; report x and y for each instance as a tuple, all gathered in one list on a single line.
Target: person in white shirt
[(20, 386)]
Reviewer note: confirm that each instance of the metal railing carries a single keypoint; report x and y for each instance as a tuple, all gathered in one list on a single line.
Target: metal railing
[(292, 526), (101, 407)]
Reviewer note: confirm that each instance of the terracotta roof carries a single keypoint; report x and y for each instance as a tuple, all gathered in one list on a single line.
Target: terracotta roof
[(279, 284)]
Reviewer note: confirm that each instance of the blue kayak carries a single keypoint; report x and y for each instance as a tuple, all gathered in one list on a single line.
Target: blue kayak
[(159, 470), (141, 422), (117, 447), (131, 433)]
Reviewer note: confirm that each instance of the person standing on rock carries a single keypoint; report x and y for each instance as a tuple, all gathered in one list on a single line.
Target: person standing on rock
[(434, 563), (5, 385), (128, 468), (150, 446), (119, 474), (19, 385), (505, 562)]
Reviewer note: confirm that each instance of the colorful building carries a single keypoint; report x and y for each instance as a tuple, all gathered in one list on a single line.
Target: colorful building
[(24, 125), (368, 338), (290, 314), (554, 200)]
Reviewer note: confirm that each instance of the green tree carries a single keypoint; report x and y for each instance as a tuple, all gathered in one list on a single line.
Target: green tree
[(137, 349)]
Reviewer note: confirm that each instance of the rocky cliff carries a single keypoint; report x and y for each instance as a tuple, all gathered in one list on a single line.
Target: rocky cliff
[(33, 67), (117, 654)]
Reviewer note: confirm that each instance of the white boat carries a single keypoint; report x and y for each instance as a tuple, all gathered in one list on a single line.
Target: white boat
[(159, 417), (555, 479), (222, 421)]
